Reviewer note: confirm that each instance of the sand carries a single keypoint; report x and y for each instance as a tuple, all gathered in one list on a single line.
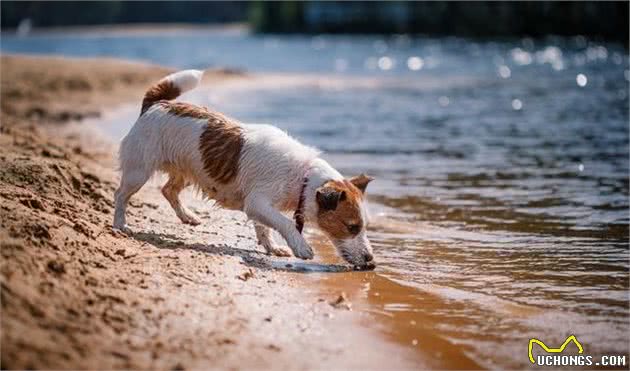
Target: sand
[(76, 295)]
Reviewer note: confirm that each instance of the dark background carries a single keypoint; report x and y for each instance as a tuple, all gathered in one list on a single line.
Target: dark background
[(605, 20)]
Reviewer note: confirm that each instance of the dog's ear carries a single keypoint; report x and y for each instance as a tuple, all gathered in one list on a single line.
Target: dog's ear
[(361, 181), (328, 198)]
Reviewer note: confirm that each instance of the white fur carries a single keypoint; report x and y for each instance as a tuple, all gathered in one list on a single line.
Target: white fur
[(185, 80), (271, 170)]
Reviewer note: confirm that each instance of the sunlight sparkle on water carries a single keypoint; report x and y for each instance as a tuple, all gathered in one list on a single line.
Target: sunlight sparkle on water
[(581, 80), (517, 104), (551, 55), (415, 63), (520, 56), (504, 71), (385, 63)]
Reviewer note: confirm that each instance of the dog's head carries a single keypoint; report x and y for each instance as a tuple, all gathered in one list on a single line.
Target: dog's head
[(342, 216)]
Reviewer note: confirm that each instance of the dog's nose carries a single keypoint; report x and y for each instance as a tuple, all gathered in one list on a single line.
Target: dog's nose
[(368, 257)]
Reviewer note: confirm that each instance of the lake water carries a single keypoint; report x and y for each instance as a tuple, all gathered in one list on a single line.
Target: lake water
[(500, 209)]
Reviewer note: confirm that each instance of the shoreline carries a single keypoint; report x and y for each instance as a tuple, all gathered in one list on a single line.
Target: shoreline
[(77, 295)]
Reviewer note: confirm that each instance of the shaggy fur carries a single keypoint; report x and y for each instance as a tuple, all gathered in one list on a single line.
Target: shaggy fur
[(257, 169)]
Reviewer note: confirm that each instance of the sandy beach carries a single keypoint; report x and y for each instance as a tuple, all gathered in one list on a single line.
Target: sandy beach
[(76, 295)]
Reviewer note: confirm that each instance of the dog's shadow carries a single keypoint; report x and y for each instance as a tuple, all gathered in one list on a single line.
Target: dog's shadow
[(251, 258)]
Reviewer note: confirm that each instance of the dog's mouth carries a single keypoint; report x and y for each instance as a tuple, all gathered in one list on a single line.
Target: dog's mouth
[(357, 264), (369, 266)]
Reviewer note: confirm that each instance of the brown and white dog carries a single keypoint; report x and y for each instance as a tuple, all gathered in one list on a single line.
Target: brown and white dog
[(257, 169)]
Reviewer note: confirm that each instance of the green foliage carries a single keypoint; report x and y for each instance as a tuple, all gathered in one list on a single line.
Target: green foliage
[(534, 18), (276, 16), (64, 13)]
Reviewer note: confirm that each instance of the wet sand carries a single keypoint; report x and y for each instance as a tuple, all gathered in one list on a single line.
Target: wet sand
[(76, 295)]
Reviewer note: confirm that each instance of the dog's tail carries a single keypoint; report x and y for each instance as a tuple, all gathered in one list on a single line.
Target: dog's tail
[(171, 87)]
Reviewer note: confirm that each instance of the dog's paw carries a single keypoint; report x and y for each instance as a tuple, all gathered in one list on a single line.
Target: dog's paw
[(301, 249), (278, 250), (191, 219), (305, 254), (187, 216), (123, 230)]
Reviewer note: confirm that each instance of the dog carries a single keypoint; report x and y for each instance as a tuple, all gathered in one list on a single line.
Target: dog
[(257, 169)]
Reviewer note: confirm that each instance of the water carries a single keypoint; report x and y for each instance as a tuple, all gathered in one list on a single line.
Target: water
[(500, 210)]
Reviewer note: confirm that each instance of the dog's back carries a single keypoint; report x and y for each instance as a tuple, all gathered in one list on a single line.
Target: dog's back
[(223, 158)]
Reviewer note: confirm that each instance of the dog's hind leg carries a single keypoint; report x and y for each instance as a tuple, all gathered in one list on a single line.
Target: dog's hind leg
[(172, 188), (130, 183), (263, 234)]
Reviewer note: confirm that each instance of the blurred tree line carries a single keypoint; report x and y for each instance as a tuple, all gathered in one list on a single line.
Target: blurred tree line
[(608, 20), (72, 13)]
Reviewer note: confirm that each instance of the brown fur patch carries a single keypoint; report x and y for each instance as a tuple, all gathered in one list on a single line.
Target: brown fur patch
[(361, 181), (220, 144), (188, 110), (348, 211), (163, 90)]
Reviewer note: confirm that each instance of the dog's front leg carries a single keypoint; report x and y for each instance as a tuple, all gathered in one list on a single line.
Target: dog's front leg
[(263, 234), (259, 209)]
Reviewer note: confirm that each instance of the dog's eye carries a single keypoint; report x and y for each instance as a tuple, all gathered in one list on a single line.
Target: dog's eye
[(353, 228)]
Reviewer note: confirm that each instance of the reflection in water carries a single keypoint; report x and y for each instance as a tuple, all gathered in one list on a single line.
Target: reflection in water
[(470, 313), (500, 209)]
